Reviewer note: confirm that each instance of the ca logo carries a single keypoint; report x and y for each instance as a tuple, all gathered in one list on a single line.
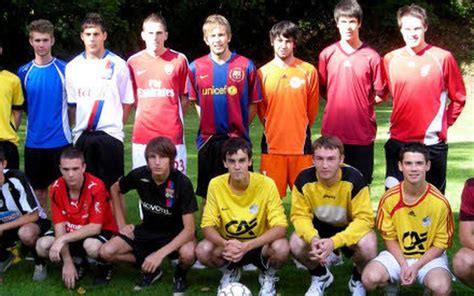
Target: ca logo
[(236, 229), (413, 242)]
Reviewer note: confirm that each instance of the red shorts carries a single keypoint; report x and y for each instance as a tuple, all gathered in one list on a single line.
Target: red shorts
[(284, 169)]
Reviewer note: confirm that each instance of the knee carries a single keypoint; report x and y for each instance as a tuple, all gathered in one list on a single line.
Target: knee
[(441, 285), (462, 263), (366, 248), (106, 252), (280, 249), (204, 251), (297, 246), (42, 246), (92, 246), (28, 235), (373, 277), (187, 255)]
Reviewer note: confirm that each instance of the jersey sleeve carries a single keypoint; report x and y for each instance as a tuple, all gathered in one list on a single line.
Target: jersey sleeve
[(262, 106), (445, 227), (183, 77), (255, 86), (313, 95), (276, 213), (385, 223), (466, 212), (362, 220), (379, 81), (188, 198), (100, 198), (17, 94), (71, 95), (128, 182), (192, 87), (456, 89), (302, 216), (211, 216), (56, 207), (125, 85), (322, 71)]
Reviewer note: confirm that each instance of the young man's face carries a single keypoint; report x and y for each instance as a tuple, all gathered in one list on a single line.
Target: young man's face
[(238, 165), (327, 163), (154, 34), (41, 43), (72, 170), (348, 28), (159, 166), (217, 39), (283, 47), (414, 167), (413, 31), (94, 39)]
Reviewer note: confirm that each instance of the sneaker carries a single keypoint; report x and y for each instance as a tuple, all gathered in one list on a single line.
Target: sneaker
[(179, 285), (249, 267), (267, 280), (103, 274), (229, 276), (334, 259), (198, 265), (391, 290), (299, 265), (319, 284), (6, 263), (147, 279), (40, 273), (356, 288)]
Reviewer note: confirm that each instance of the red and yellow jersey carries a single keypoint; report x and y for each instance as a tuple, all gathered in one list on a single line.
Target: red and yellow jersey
[(419, 226), (289, 107), (243, 216)]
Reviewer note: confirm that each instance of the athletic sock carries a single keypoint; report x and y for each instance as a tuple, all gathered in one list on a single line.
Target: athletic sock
[(356, 276), (179, 271), (318, 271)]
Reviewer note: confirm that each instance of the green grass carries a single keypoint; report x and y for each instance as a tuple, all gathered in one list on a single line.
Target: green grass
[(292, 282)]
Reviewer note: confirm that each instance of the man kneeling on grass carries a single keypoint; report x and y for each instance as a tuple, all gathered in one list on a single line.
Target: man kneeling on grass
[(168, 203), (243, 221), (82, 218), (21, 216)]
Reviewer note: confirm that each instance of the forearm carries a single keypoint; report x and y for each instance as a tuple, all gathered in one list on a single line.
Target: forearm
[(184, 104), (252, 112), (118, 204), (429, 255), (16, 118), (267, 237), (393, 247), (23, 220), (71, 112), (126, 112), (183, 237), (85, 231), (212, 235), (304, 228)]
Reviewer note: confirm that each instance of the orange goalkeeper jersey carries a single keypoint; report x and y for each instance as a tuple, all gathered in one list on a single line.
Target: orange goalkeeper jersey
[(289, 107)]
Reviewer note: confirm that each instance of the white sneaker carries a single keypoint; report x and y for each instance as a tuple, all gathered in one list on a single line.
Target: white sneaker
[(356, 288), (391, 290), (229, 276), (299, 265), (198, 265), (334, 259), (267, 280), (40, 273), (319, 284), (249, 267)]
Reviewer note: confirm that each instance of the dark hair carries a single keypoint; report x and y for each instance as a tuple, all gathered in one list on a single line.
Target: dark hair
[(41, 26), (414, 11), (328, 142), (93, 19), (155, 18), (414, 147), (348, 8), (72, 153), (234, 144), (2, 154), (161, 146), (286, 29)]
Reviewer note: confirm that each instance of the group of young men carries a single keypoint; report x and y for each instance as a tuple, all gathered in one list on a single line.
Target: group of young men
[(243, 219)]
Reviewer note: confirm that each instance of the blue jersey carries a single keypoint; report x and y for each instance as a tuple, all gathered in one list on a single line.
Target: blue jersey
[(46, 104)]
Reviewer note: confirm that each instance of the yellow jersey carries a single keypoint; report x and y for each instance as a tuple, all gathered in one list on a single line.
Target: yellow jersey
[(11, 97)]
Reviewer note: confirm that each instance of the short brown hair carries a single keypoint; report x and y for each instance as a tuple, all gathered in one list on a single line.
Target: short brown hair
[(155, 18), (72, 153), (348, 8), (41, 26), (216, 20), (93, 19), (414, 11), (328, 142), (161, 146)]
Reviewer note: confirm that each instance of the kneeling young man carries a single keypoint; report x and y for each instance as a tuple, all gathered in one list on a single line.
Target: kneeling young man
[(21, 216), (167, 230), (243, 221), (82, 218), (416, 224), (331, 212)]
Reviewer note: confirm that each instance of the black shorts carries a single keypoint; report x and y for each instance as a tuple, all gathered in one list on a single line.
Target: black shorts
[(42, 166), (146, 243), (10, 237), (326, 231), (11, 154), (77, 248), (362, 158), (103, 154), (438, 157)]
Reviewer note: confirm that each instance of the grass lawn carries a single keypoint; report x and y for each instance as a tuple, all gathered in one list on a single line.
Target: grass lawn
[(17, 281)]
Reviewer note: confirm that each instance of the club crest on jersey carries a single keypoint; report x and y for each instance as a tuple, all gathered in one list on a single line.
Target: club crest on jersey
[(253, 209), (109, 70), (426, 222), (169, 194), (169, 69), (347, 64), (425, 70), (236, 74), (296, 82)]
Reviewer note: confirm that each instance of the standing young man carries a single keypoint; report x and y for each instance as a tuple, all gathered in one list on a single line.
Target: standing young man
[(167, 230), (48, 131), (100, 95), (21, 217), (288, 110), (159, 77), (463, 261), (416, 224), (350, 76), (428, 96), (82, 218), (11, 105), (331, 212), (243, 221), (225, 89)]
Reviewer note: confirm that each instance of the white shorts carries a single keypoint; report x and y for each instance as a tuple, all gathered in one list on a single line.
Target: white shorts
[(138, 156), (393, 268)]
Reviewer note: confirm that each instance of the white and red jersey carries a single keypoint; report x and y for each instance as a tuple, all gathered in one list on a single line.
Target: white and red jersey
[(158, 82), (420, 85), (98, 88), (351, 82)]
